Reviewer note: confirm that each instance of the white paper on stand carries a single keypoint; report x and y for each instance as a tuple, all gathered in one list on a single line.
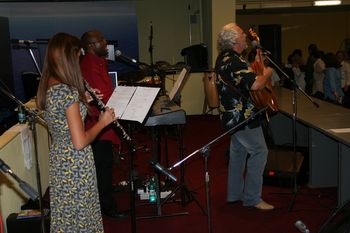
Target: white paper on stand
[(132, 103)]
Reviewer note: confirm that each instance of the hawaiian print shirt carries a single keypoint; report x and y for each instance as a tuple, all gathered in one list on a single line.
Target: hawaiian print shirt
[(233, 70)]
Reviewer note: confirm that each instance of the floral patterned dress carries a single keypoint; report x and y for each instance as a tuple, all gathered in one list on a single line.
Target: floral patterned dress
[(74, 201)]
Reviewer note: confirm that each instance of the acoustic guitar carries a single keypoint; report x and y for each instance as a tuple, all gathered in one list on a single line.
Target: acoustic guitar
[(264, 97)]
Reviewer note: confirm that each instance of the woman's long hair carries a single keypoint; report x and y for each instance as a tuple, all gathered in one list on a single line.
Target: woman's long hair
[(61, 63)]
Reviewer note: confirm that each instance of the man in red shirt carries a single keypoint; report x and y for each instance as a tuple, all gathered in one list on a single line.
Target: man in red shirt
[(94, 70)]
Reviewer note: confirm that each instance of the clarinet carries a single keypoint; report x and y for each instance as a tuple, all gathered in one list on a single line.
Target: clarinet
[(116, 126)]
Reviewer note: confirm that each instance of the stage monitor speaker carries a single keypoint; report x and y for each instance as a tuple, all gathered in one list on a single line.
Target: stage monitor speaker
[(281, 165), (196, 56), (30, 81), (339, 221)]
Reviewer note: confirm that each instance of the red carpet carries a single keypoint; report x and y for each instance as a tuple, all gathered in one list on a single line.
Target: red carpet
[(312, 206)]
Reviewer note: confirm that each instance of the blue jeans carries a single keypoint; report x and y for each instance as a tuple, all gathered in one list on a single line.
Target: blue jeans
[(245, 175)]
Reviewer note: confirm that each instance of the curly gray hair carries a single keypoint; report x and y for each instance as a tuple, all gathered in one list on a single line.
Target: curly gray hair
[(227, 37)]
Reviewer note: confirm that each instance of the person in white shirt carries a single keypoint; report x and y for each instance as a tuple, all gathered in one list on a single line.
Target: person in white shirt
[(318, 75)]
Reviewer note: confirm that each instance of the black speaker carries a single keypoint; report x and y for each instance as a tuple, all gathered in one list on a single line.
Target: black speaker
[(196, 56), (30, 81), (281, 165), (339, 221)]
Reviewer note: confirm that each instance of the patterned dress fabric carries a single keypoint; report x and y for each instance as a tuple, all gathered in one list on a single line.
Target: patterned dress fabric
[(74, 201)]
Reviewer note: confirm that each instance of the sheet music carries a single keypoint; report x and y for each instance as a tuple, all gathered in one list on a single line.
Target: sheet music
[(177, 84), (132, 103)]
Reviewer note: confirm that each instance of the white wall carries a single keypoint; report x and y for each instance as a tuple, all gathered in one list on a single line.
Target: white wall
[(172, 28)]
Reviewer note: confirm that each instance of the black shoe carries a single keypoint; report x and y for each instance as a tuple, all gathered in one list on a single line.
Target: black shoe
[(234, 202), (113, 213)]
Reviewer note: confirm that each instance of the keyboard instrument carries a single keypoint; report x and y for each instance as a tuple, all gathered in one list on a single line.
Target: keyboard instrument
[(165, 112)]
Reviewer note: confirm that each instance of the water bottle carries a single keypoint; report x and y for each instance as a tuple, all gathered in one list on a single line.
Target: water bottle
[(152, 190), (21, 115)]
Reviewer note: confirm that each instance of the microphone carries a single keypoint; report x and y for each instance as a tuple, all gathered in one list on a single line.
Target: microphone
[(256, 44), (20, 46), (301, 227), (119, 54), (26, 42), (42, 41), (163, 170), (4, 167), (22, 184)]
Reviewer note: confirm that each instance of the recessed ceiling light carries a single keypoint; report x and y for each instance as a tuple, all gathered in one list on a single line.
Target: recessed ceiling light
[(326, 3), (276, 5)]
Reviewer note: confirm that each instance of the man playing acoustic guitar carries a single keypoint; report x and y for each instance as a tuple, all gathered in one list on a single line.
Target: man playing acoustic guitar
[(236, 80)]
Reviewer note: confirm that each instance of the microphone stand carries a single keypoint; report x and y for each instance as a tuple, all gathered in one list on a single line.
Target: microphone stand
[(22, 184), (32, 117), (150, 48), (33, 58), (32, 122), (153, 70), (294, 117), (205, 150)]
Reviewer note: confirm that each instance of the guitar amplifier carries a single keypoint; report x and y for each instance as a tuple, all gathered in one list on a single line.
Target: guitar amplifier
[(282, 163)]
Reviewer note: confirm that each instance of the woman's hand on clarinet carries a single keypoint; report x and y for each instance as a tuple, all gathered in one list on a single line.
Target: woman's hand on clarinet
[(108, 116), (98, 93)]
